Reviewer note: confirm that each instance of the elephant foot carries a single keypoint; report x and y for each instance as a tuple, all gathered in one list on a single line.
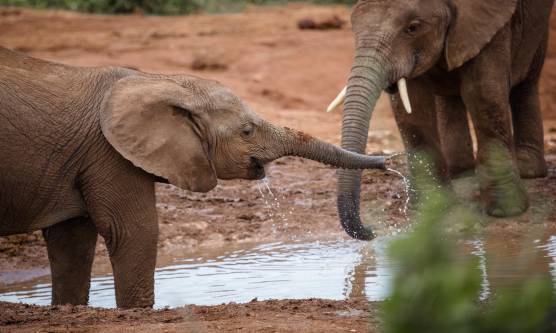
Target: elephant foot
[(531, 164), (505, 199)]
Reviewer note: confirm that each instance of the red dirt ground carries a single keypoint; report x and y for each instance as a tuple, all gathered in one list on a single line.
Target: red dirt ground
[(288, 76)]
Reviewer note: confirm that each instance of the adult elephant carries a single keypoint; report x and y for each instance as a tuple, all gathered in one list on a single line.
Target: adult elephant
[(451, 57), (81, 148)]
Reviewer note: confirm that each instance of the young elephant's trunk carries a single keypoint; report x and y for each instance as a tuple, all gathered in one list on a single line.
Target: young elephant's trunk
[(295, 143)]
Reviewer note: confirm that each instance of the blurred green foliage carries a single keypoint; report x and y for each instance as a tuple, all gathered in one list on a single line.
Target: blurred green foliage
[(345, 2), (161, 7), (433, 291), (156, 7)]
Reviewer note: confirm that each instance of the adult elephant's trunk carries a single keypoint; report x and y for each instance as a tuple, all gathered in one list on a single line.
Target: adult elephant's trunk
[(295, 143), (366, 81)]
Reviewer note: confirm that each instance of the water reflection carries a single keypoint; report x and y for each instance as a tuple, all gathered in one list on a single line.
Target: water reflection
[(551, 254), (329, 270), (370, 276), (479, 251)]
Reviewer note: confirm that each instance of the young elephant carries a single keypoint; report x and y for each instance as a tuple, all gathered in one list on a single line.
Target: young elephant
[(81, 148), (451, 57)]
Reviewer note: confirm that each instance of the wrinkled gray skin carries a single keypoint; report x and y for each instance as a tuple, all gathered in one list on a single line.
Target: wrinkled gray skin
[(81, 149), (481, 57)]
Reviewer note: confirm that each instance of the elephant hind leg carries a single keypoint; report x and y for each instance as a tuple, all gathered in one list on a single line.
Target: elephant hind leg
[(527, 123), (71, 250), (455, 136)]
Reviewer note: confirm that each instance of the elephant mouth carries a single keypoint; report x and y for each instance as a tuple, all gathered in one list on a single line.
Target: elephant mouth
[(256, 169), (392, 89)]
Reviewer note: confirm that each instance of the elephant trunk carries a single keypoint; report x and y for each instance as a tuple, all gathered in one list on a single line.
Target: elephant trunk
[(366, 82), (295, 143), (303, 145)]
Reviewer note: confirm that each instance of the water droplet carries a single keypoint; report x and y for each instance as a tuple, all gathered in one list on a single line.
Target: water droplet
[(407, 188)]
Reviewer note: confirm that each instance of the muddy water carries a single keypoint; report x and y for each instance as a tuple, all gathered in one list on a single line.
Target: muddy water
[(331, 270)]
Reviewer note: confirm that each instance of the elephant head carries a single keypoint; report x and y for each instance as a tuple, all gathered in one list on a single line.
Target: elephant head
[(192, 131), (397, 40)]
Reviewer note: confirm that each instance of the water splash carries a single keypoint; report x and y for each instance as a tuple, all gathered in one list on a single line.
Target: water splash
[(266, 184), (392, 156), (272, 203), (407, 188), (263, 185)]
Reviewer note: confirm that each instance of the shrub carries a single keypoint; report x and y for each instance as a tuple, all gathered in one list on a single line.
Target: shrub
[(167, 7), (435, 292), (157, 7)]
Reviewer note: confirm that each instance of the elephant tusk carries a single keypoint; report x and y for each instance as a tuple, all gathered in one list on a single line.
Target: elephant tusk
[(402, 88), (339, 100)]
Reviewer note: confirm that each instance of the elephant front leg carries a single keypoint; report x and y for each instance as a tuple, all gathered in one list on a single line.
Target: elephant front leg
[(485, 91), (455, 136), (122, 206), (71, 250), (133, 262), (527, 122), (419, 131)]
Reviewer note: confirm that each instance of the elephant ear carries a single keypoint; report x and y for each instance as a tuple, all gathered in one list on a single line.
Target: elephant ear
[(475, 24), (152, 122)]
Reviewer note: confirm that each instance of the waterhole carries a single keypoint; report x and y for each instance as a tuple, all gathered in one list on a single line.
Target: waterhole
[(342, 269)]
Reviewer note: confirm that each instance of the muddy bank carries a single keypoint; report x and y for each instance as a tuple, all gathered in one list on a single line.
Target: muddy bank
[(270, 316)]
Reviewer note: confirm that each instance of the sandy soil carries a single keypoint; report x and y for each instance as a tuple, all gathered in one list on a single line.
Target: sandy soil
[(288, 76)]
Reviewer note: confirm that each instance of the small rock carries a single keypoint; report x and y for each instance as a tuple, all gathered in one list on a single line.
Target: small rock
[(333, 22), (205, 62)]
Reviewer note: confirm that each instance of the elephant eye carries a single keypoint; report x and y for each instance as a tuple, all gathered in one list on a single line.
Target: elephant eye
[(413, 27), (247, 130)]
